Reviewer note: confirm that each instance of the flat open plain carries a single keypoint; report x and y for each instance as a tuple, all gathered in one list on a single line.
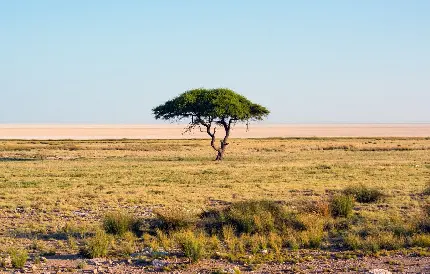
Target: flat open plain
[(55, 194), (174, 131)]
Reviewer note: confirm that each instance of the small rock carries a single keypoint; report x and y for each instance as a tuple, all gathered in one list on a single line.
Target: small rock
[(129, 261), (264, 251), (158, 263), (379, 271)]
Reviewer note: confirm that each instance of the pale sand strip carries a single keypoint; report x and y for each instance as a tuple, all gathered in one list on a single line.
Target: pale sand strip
[(175, 131)]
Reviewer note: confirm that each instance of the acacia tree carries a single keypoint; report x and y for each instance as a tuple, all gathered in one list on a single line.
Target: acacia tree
[(209, 108)]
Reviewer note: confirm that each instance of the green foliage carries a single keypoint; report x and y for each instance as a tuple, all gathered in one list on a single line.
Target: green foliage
[(363, 194), (341, 205), (125, 246), (97, 246), (352, 241), (427, 189), (18, 257), (119, 223), (253, 217), (174, 220), (424, 222), (421, 240), (192, 245), (208, 104), (81, 265)]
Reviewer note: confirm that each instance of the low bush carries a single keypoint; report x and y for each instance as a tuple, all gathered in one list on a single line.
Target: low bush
[(427, 189), (388, 241), (18, 257), (424, 222), (252, 217), (192, 245), (174, 220), (352, 241), (320, 207), (364, 194), (314, 234), (341, 205), (421, 240), (97, 246), (125, 246), (118, 223)]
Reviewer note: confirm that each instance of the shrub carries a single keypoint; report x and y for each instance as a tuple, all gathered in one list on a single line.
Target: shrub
[(341, 205), (213, 244), (163, 240), (314, 234), (253, 217), (192, 245), (126, 245), (352, 241), (427, 189), (311, 239), (370, 244), (175, 220), (321, 208), (3, 262), (421, 240), (97, 246), (119, 223), (423, 219), (363, 194), (389, 241), (275, 242), (18, 257)]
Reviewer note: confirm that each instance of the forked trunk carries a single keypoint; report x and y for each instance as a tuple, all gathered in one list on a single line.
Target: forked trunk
[(220, 151)]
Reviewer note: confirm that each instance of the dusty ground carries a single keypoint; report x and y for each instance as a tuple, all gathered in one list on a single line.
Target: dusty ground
[(175, 131), (48, 186), (320, 263)]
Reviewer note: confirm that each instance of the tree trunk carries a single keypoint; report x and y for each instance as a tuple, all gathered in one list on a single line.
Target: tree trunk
[(224, 143), (220, 151)]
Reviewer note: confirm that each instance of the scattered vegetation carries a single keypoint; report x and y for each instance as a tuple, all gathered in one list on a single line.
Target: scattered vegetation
[(155, 203), (18, 257), (363, 194), (174, 219), (192, 245), (253, 217), (119, 223), (97, 246), (341, 205), (427, 189)]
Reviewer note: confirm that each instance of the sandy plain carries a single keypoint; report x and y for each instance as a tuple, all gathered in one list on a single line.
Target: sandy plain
[(175, 131)]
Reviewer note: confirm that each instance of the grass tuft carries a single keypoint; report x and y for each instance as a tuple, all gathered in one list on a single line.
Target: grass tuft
[(427, 189), (258, 217), (97, 246), (175, 220), (18, 257), (341, 205), (192, 245), (364, 194), (119, 223)]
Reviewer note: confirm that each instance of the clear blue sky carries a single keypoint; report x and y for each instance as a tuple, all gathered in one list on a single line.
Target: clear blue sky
[(99, 61)]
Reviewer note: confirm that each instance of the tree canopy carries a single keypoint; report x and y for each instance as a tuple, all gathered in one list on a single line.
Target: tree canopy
[(208, 107)]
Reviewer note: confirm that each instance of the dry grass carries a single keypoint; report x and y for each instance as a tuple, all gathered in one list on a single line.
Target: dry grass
[(49, 187)]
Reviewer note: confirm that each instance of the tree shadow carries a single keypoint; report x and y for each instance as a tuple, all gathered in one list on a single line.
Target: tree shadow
[(12, 159), (50, 235), (64, 257)]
